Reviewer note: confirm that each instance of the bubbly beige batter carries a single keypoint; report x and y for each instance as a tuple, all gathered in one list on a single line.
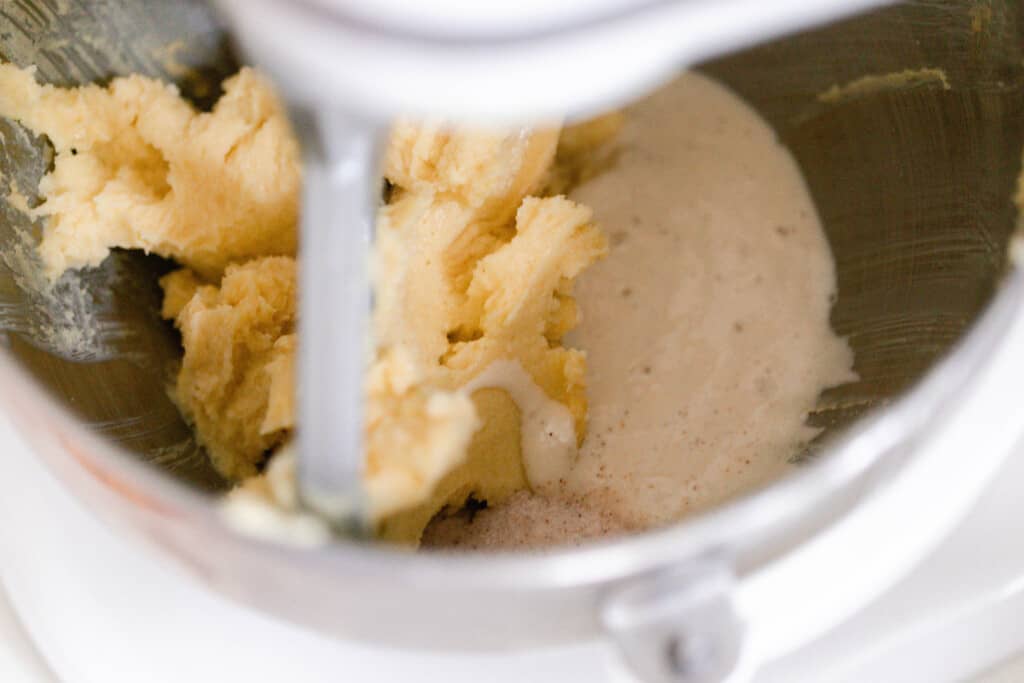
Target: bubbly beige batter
[(720, 283), (706, 329)]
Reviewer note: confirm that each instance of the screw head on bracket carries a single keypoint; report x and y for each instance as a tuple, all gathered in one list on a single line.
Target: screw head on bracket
[(678, 626)]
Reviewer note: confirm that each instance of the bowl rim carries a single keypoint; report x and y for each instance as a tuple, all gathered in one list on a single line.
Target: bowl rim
[(736, 525)]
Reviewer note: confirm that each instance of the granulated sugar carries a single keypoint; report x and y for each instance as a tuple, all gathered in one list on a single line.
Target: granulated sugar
[(525, 522)]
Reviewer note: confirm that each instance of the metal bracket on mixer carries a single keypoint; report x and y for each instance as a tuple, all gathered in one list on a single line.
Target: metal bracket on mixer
[(679, 625)]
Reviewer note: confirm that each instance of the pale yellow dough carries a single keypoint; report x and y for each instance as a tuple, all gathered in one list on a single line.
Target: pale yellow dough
[(137, 167), (236, 377), (470, 269)]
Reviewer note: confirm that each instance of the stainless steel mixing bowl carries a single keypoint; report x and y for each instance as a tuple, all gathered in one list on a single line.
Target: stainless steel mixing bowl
[(914, 184)]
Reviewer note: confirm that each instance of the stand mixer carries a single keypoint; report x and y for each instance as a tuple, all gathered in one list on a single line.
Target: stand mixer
[(494, 62), (913, 187)]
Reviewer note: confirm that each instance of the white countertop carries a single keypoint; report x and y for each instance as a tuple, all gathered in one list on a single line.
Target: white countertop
[(19, 659)]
